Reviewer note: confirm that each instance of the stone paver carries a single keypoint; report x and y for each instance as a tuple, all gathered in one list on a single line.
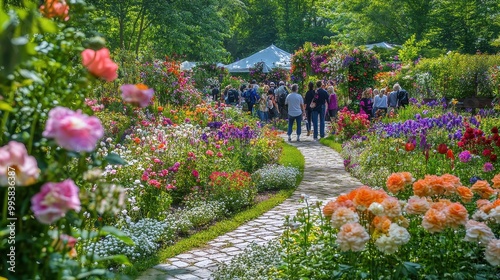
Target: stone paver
[(324, 179)]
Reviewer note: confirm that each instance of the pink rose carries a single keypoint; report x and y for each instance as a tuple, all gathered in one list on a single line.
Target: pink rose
[(139, 95), (54, 200), (99, 64), (72, 130), (14, 158)]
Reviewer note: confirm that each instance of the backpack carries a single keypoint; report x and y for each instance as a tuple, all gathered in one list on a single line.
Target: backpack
[(282, 96), (252, 96), (232, 96), (403, 97)]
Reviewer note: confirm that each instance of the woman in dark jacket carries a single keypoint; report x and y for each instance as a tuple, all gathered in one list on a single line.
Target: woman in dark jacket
[(307, 101)]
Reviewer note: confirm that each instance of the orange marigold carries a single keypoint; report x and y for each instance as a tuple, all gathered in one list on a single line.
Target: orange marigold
[(329, 208), (496, 181), (364, 197)]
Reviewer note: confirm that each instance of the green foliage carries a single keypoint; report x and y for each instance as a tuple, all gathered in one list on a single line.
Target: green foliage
[(411, 49)]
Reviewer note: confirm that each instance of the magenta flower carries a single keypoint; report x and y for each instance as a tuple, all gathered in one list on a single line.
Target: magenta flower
[(138, 95), (72, 130), (54, 200), (465, 156), (14, 158), (195, 173), (488, 167)]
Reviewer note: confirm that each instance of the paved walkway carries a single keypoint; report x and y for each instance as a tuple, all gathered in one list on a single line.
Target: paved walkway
[(324, 178)]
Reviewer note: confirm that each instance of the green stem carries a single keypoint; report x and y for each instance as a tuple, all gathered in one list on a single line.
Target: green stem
[(4, 210), (32, 133), (5, 118)]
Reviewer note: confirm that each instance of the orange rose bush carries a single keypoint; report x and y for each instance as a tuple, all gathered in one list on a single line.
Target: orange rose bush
[(417, 229)]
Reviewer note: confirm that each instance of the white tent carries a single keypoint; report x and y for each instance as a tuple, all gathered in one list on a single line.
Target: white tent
[(272, 57), (188, 65), (382, 45)]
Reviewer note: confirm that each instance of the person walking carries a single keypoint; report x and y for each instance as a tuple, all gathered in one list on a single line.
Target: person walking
[(307, 101), (318, 106), (296, 111), (281, 93), (263, 110)]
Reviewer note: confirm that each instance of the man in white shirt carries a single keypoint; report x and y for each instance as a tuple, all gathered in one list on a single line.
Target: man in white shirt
[(296, 110)]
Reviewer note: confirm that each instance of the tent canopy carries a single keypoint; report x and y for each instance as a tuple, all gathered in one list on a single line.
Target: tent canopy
[(188, 65), (272, 57), (382, 45)]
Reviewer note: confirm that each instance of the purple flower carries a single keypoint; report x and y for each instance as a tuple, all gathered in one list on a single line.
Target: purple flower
[(465, 156), (488, 167), (474, 179)]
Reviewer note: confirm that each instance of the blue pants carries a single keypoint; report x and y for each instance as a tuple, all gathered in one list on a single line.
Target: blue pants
[(318, 114), (290, 124)]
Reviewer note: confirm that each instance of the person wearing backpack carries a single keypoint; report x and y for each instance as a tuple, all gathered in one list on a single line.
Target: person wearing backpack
[(281, 93), (251, 98), (232, 96), (402, 95)]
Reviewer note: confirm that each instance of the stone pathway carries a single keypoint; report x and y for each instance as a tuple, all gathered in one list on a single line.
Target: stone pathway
[(324, 178)]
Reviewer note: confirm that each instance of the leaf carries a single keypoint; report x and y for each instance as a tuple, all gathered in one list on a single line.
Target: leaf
[(121, 259), (118, 234), (4, 106), (90, 273), (113, 158), (412, 268)]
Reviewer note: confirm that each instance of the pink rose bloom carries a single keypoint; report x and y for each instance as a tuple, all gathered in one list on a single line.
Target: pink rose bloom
[(15, 156), (478, 232), (100, 64), (54, 200), (55, 8), (352, 236), (72, 130), (492, 252), (138, 95)]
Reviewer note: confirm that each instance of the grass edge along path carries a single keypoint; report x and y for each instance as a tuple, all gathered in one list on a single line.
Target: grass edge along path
[(290, 156), (330, 142)]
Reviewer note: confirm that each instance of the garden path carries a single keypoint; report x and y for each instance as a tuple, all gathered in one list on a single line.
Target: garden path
[(324, 178)]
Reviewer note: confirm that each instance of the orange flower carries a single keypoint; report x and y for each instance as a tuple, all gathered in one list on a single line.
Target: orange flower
[(55, 8), (408, 177), (160, 109), (496, 181), (456, 215), (382, 223), (137, 140), (434, 221), (422, 188), (329, 208), (465, 194), (482, 188), (450, 155), (100, 64), (441, 205), (417, 205), (395, 183), (391, 207), (364, 197)]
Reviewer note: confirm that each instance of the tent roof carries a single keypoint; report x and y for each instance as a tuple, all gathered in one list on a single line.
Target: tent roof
[(382, 45), (272, 57), (188, 65)]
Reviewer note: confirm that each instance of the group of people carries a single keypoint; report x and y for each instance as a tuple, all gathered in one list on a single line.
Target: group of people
[(375, 103)]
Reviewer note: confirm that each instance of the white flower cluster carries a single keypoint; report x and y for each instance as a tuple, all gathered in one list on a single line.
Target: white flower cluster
[(390, 242), (201, 213), (275, 177), (255, 262)]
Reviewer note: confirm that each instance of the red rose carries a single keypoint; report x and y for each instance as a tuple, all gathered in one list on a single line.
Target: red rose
[(442, 148), (494, 130), (486, 152)]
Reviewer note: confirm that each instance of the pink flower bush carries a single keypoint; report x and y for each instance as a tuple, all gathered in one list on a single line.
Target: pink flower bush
[(54, 200), (138, 95), (478, 232), (15, 156), (100, 64), (72, 130), (344, 215), (353, 237)]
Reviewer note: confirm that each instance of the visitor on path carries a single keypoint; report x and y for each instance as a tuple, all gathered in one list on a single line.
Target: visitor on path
[(281, 93), (333, 106), (272, 106), (296, 111), (232, 96), (215, 93), (307, 101), (251, 97), (262, 110), (320, 100), (379, 103), (366, 103), (393, 99)]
